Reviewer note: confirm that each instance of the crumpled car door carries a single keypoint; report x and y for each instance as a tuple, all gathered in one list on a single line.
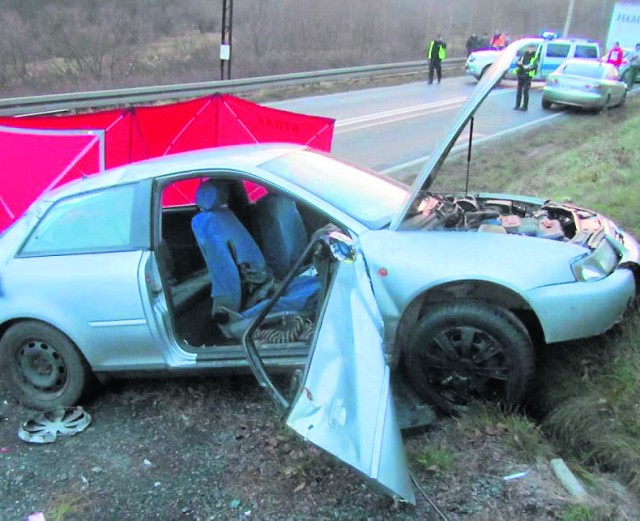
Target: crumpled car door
[(344, 403)]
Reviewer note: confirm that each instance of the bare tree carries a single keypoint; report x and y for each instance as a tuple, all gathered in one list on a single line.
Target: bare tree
[(63, 43)]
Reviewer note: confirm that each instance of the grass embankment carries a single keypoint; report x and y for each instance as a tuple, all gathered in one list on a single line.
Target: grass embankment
[(587, 392)]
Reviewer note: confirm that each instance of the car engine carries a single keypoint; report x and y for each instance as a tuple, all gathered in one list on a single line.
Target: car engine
[(550, 220)]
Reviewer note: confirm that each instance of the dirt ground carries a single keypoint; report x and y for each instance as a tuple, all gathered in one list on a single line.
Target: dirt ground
[(208, 449)]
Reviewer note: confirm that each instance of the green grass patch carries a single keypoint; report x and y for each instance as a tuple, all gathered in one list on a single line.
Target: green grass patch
[(71, 504), (437, 460), (516, 429), (589, 395), (578, 513)]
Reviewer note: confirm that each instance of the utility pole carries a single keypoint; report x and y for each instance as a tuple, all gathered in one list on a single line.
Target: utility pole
[(225, 39), (567, 22)]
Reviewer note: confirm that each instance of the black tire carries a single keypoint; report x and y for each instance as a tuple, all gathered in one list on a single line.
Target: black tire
[(485, 69), (607, 104), (41, 367), (546, 104), (443, 359)]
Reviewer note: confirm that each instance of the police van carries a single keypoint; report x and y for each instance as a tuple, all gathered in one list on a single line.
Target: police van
[(553, 52)]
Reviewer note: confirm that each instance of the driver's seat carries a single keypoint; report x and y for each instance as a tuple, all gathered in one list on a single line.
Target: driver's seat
[(234, 261)]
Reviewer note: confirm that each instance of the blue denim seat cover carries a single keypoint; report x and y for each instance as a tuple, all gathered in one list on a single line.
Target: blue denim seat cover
[(225, 244)]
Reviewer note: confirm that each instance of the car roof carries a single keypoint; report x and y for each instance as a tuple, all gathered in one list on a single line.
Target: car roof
[(574, 40), (539, 39), (232, 157)]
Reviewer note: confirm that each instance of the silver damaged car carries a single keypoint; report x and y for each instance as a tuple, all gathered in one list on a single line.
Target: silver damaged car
[(289, 260)]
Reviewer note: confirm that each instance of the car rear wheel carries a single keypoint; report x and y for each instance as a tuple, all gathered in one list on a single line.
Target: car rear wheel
[(546, 104), (467, 351), (41, 367)]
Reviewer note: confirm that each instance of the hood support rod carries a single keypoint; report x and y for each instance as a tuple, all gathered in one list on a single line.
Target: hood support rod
[(466, 185)]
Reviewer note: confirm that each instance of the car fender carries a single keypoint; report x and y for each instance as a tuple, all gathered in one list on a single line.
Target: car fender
[(406, 265)]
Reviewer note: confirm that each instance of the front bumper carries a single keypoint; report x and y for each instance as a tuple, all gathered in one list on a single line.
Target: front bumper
[(573, 97), (472, 69), (583, 309)]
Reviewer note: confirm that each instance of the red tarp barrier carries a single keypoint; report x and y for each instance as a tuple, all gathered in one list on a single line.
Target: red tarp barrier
[(137, 133), (34, 161)]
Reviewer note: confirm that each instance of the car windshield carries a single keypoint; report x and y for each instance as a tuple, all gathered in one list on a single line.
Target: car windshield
[(588, 70), (362, 194)]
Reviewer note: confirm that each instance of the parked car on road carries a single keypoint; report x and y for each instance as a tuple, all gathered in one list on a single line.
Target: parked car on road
[(585, 84), (290, 258), (553, 53)]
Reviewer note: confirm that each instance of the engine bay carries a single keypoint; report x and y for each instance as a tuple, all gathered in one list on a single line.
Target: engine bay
[(471, 213)]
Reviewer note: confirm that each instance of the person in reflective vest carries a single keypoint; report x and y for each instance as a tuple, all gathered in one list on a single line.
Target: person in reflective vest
[(436, 53), (525, 70)]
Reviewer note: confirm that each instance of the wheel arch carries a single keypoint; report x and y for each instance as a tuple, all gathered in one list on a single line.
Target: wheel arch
[(7, 324), (479, 290)]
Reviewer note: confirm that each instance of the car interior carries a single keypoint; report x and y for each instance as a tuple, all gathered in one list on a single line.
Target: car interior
[(222, 258)]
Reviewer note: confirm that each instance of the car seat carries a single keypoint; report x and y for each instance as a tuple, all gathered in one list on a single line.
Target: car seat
[(281, 232), (236, 264)]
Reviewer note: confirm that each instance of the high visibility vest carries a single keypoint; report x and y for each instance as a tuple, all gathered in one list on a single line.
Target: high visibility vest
[(442, 52), (533, 63)]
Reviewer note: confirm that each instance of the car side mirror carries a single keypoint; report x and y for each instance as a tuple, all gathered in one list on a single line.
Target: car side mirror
[(341, 246)]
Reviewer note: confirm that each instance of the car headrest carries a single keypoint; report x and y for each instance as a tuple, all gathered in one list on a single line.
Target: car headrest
[(212, 195)]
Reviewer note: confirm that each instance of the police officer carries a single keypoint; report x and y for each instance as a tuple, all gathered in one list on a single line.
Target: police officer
[(525, 71), (436, 53)]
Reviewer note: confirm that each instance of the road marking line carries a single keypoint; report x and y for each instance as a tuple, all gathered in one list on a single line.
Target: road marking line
[(401, 114), (394, 120), (399, 111)]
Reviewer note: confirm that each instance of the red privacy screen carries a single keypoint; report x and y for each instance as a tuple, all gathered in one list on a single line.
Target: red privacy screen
[(40, 152)]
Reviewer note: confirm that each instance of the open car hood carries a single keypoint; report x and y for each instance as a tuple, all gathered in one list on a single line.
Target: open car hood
[(489, 80)]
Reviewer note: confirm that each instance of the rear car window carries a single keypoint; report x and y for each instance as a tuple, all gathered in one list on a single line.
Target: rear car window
[(558, 50), (94, 222), (588, 70), (586, 51)]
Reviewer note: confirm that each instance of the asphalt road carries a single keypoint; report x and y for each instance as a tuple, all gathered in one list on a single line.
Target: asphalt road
[(393, 128)]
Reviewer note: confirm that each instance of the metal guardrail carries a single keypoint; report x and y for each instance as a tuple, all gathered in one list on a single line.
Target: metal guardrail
[(104, 98)]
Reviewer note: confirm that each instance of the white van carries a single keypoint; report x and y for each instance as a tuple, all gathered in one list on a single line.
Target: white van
[(553, 53)]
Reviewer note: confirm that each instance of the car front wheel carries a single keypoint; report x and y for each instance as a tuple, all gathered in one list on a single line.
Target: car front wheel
[(41, 367), (467, 351), (546, 104)]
